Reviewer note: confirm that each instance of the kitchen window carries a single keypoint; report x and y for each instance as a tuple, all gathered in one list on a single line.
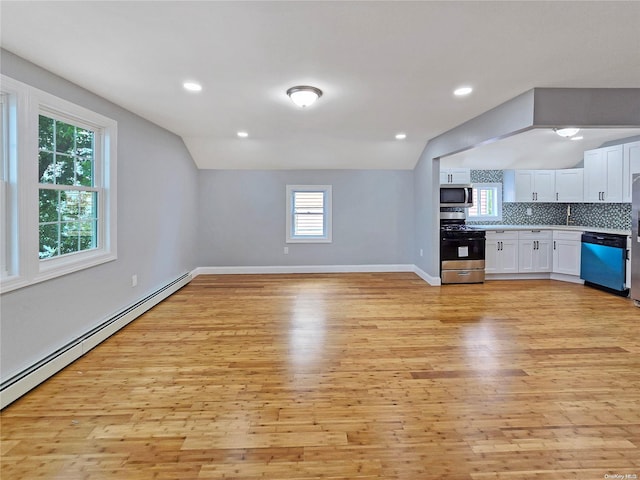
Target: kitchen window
[(58, 186), (487, 202), (308, 214)]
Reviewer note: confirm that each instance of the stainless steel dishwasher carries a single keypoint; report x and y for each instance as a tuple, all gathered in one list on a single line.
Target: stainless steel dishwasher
[(603, 262)]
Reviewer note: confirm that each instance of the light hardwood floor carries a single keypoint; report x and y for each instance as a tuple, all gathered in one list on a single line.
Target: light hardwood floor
[(346, 376)]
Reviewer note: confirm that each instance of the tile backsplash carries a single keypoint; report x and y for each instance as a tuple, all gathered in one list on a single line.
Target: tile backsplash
[(601, 215)]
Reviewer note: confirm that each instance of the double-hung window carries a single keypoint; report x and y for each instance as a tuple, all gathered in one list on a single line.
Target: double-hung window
[(308, 214), (58, 186), (7, 209), (69, 186), (487, 202)]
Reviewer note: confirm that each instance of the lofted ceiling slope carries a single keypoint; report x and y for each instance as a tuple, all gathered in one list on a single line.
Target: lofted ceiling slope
[(385, 67)]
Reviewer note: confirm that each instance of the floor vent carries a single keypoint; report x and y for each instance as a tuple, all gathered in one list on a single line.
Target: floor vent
[(19, 384)]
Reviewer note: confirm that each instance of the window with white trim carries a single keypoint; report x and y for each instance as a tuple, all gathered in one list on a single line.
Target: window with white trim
[(59, 173), (308, 214), (68, 191), (5, 198), (487, 202)]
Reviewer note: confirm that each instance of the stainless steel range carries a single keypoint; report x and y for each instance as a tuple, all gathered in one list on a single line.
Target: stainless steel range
[(462, 250)]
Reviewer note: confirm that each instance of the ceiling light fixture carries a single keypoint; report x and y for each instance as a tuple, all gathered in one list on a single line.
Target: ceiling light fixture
[(566, 132), (243, 134), (462, 91), (401, 136), (192, 86), (580, 137), (304, 95)]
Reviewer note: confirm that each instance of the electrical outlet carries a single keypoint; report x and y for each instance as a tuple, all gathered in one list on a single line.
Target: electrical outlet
[(134, 280), (286, 250), (529, 211)]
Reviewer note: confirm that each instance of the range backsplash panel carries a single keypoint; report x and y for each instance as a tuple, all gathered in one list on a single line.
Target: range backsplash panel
[(600, 215)]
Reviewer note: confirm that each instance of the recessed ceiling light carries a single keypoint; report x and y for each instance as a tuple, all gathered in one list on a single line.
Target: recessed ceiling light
[(243, 134), (462, 91), (577, 138), (192, 86), (401, 136)]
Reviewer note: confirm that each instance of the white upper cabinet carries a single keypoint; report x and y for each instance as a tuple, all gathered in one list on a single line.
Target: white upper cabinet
[(570, 185), (603, 175), (631, 165), (529, 186), (458, 176)]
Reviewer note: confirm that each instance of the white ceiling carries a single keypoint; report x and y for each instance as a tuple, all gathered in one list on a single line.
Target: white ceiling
[(384, 67), (536, 148)]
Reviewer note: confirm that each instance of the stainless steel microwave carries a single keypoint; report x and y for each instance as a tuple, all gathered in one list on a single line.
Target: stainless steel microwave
[(456, 195)]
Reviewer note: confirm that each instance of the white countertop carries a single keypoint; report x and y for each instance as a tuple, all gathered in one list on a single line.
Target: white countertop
[(578, 228)]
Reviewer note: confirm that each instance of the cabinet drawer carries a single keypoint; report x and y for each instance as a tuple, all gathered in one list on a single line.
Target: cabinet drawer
[(535, 234), (567, 235), (502, 234)]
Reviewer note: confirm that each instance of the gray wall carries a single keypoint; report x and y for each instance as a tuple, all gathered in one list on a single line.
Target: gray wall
[(157, 208), (511, 117), (242, 218)]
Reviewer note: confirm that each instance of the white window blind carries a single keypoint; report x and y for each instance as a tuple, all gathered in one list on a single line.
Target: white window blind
[(308, 213), (487, 202)]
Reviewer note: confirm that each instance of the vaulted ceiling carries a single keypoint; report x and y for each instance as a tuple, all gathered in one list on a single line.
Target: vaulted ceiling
[(384, 67)]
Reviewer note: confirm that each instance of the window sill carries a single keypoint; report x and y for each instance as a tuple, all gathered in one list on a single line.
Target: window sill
[(308, 240), (57, 268)]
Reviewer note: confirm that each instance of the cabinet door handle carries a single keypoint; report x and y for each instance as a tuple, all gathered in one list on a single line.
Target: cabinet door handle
[(557, 197), (554, 244)]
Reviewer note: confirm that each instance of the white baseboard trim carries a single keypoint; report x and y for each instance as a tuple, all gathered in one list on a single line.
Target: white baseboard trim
[(562, 277), (517, 276), (433, 281), (534, 276), (302, 269), (23, 382)]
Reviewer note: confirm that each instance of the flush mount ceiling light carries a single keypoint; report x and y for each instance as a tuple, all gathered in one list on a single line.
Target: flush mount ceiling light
[(304, 95), (243, 134), (566, 132), (462, 91), (401, 136), (192, 86)]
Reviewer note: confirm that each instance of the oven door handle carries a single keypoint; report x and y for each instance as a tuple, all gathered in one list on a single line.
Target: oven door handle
[(462, 240)]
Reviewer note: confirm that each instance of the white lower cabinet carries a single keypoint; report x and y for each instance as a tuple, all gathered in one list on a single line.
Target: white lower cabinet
[(535, 252), (501, 253), (566, 252)]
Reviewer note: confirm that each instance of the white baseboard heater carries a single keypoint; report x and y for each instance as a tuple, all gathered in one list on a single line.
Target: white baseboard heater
[(24, 381)]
